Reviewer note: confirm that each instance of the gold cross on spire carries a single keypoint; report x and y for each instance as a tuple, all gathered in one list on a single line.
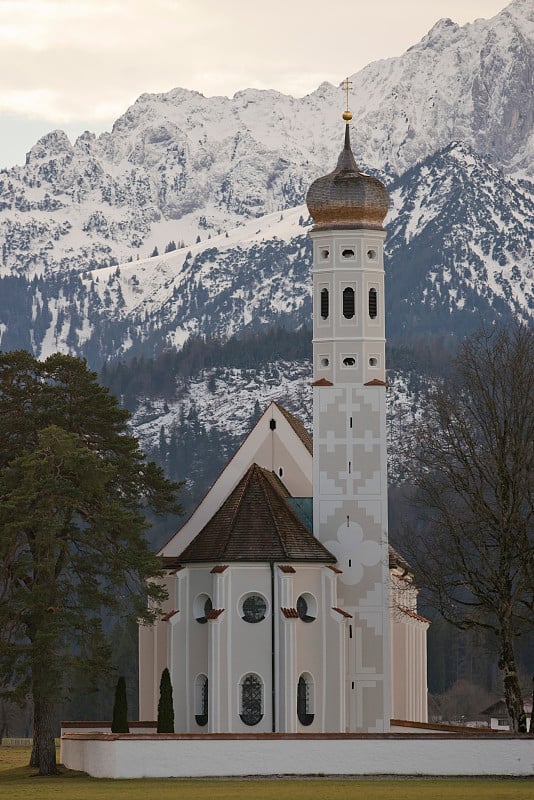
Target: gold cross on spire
[(346, 86)]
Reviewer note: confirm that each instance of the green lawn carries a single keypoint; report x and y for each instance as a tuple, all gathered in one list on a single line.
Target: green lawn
[(19, 782)]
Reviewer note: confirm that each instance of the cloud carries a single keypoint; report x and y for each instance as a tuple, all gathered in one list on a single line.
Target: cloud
[(90, 59)]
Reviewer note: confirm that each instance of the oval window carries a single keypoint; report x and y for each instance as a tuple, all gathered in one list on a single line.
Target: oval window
[(347, 253), (307, 607), (254, 608), (349, 361)]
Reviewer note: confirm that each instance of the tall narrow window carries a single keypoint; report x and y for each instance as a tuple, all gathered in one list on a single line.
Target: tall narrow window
[(348, 303), (324, 303), (251, 699), (201, 700), (373, 303), (305, 699)]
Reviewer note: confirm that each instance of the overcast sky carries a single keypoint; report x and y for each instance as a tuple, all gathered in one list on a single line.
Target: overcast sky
[(78, 64)]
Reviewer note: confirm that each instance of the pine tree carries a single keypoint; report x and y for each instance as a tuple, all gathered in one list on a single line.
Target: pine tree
[(155, 252), (74, 489), (165, 705), (119, 723)]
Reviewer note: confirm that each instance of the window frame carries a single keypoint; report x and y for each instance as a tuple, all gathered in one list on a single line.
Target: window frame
[(253, 716)]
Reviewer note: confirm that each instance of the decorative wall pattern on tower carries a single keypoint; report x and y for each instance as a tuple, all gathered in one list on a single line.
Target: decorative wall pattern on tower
[(349, 414)]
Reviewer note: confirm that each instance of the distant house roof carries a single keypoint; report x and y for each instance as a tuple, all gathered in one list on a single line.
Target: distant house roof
[(298, 427), (500, 710), (255, 523), (396, 561)]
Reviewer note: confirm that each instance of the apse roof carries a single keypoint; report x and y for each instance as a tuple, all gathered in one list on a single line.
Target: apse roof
[(255, 523)]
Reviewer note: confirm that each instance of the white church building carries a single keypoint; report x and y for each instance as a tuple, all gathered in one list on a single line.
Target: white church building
[(288, 612)]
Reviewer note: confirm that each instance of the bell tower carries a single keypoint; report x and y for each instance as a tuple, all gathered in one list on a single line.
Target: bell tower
[(349, 420)]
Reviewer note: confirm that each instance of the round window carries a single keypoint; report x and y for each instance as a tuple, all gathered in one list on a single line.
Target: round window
[(307, 607), (254, 608)]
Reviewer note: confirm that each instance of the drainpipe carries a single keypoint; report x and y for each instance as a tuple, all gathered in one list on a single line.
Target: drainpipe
[(273, 661)]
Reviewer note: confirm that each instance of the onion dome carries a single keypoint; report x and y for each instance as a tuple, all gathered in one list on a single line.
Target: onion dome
[(346, 197)]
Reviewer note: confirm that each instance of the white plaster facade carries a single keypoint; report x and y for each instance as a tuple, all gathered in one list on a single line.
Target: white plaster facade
[(363, 657)]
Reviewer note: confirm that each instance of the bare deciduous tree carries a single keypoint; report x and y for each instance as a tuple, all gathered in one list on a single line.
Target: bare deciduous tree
[(473, 468)]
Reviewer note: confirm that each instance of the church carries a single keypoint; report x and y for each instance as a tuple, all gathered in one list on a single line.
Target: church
[(288, 612)]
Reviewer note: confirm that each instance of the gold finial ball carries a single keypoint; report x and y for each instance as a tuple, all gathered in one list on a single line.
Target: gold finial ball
[(347, 115)]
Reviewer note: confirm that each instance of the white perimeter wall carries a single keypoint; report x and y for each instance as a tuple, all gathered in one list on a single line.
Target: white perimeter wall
[(137, 756)]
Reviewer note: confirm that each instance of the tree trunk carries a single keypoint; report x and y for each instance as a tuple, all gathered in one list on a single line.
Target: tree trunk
[(43, 754), (512, 688)]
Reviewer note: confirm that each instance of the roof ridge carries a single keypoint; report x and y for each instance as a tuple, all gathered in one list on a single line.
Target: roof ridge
[(297, 426), (273, 515), (244, 482)]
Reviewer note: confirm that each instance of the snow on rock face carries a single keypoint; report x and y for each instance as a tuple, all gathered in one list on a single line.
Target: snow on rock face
[(458, 250), (233, 171), (461, 232)]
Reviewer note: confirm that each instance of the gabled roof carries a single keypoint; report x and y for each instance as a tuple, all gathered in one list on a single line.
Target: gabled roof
[(256, 524), (304, 436), (274, 424)]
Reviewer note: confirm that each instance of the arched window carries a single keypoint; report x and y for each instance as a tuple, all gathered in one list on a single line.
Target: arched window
[(324, 303), (251, 699), (348, 303), (307, 607), (305, 699), (373, 303), (201, 700), (202, 604)]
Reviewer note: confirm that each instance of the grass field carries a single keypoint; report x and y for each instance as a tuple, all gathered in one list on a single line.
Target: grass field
[(19, 782)]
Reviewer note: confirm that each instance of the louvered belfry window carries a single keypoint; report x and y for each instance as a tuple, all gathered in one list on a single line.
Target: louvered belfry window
[(373, 303), (324, 303), (348, 303), (251, 699)]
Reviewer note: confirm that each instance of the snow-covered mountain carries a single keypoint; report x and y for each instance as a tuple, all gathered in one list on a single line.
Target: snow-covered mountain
[(448, 126), (177, 165), (459, 250)]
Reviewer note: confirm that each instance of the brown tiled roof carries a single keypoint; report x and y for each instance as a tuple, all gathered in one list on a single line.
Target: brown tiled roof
[(256, 524), (375, 382), (412, 614), (298, 427), (290, 613), (218, 568), (322, 382), (342, 612), (213, 613), (286, 568), (335, 569), (168, 616), (397, 561)]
